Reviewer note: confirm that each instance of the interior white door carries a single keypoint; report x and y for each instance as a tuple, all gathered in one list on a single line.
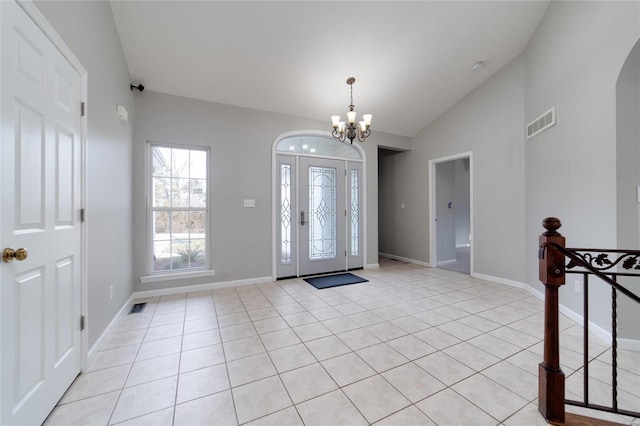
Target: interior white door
[(40, 168), (322, 215)]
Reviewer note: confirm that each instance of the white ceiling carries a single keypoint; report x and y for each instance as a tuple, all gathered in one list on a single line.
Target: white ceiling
[(412, 60)]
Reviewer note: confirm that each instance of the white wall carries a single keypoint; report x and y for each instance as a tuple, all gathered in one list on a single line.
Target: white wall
[(89, 30), (573, 62), (241, 148)]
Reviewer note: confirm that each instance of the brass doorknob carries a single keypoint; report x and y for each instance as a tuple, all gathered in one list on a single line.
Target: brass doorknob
[(9, 254)]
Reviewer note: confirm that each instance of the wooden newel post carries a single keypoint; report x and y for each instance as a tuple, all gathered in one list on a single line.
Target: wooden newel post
[(552, 275)]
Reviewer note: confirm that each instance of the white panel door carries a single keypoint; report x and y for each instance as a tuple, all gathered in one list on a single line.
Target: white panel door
[(322, 216), (40, 169)]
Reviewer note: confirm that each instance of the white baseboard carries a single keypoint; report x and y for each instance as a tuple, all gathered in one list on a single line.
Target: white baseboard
[(499, 280), (629, 344), (199, 287), (405, 259), (372, 266), (602, 333), (446, 262), (98, 344)]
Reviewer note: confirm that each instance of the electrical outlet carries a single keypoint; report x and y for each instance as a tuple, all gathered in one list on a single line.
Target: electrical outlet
[(577, 286), (111, 292)]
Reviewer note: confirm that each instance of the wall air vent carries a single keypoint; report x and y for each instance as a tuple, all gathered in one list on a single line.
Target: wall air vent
[(541, 123)]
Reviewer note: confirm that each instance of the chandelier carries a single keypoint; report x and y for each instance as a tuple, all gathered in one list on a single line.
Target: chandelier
[(351, 130)]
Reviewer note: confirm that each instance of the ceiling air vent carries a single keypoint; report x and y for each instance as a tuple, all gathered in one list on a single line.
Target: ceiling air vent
[(541, 123)]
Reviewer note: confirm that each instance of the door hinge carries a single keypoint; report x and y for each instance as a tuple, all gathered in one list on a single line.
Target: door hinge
[(81, 109), (345, 253), (82, 323), (82, 215)]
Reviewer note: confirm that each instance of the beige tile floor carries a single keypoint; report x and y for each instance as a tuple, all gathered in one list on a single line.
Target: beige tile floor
[(414, 346)]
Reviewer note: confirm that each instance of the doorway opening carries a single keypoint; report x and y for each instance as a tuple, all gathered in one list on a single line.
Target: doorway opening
[(451, 213), (318, 205)]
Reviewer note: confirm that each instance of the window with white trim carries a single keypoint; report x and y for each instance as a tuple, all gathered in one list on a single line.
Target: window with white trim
[(178, 210)]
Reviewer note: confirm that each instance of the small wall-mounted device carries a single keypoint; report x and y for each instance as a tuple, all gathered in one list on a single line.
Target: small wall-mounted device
[(140, 87), (122, 113)]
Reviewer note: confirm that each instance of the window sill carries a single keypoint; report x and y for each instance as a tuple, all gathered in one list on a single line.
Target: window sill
[(176, 276)]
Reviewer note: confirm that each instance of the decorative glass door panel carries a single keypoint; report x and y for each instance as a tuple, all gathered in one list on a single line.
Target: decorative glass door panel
[(286, 219), (322, 215)]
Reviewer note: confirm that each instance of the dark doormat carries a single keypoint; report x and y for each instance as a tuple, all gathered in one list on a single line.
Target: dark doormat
[(335, 280)]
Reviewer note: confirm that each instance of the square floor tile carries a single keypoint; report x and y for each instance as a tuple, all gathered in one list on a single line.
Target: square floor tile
[(287, 417), (444, 368), (325, 313), (346, 369), (307, 382), (459, 330), (414, 383), (216, 409), (200, 339), (471, 356), (153, 369), (204, 381), (232, 319), (449, 408), (513, 378), (163, 331), (375, 398), (235, 332), (158, 418), (279, 339), (165, 319), (411, 347), (311, 331), (299, 318), (158, 348), (410, 324), (260, 398), (437, 338), (327, 347), (366, 318), (315, 413), (201, 357), (270, 324), (263, 313), (96, 383), (114, 357), (496, 400), (410, 416), (242, 348), (144, 399), (201, 324), (245, 370), (117, 340), (90, 411), (385, 331), (382, 357), (340, 325), (291, 357), (358, 339)]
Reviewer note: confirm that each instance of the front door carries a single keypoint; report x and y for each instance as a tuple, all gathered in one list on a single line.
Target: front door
[(322, 216), (318, 215), (40, 169)]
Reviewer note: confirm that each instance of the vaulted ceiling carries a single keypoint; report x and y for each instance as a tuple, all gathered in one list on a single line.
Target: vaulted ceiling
[(412, 60)]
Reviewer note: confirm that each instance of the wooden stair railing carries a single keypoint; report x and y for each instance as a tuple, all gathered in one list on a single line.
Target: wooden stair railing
[(552, 271)]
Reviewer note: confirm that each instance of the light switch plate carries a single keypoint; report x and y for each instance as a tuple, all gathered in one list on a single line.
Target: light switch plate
[(249, 203)]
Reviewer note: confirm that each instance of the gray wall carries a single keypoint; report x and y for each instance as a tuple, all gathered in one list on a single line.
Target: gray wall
[(573, 62), (89, 31), (628, 178), (241, 146), (488, 122)]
